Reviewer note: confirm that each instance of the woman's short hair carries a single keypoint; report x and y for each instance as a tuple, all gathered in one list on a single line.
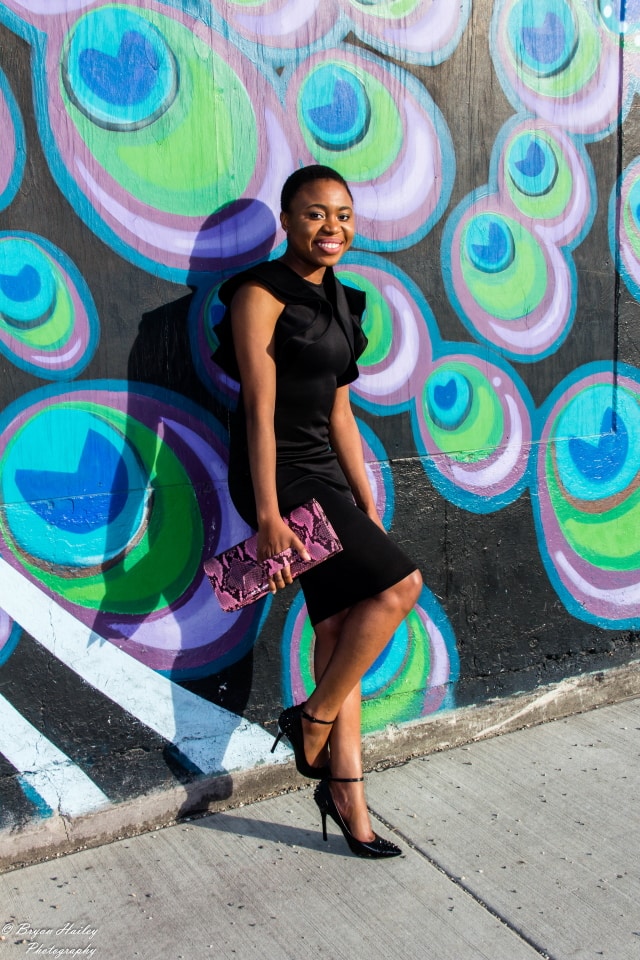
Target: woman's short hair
[(304, 175)]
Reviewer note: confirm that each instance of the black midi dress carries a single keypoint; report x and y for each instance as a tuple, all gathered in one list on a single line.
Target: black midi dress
[(318, 339)]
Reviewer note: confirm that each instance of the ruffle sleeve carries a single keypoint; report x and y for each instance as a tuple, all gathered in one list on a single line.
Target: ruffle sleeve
[(350, 305)]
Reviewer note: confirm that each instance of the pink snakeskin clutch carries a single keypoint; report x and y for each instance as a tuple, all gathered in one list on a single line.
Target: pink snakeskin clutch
[(239, 578)]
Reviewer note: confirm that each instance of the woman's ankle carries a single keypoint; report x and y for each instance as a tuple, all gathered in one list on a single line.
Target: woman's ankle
[(317, 714), (316, 742), (351, 803)]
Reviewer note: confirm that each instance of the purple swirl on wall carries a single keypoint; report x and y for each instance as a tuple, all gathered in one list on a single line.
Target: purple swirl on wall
[(112, 496), (560, 60), (397, 323), (506, 251), (624, 226), (164, 136), (472, 419), (421, 31), (379, 127), (587, 503), (13, 153)]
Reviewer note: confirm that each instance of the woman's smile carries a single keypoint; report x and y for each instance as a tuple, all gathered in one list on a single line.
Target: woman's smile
[(329, 246)]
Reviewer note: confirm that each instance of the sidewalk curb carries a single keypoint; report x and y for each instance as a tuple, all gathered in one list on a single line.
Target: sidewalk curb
[(59, 835)]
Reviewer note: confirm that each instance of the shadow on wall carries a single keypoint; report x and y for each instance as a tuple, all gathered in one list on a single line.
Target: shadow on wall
[(119, 493), (173, 513)]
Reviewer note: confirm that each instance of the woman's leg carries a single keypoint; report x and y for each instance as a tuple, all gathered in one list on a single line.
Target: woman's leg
[(327, 635), (364, 633), (368, 626), (345, 739)]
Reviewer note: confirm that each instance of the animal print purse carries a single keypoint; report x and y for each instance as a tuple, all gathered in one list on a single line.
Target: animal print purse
[(239, 578)]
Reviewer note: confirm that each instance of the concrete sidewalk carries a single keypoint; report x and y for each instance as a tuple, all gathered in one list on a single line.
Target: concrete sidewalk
[(516, 848)]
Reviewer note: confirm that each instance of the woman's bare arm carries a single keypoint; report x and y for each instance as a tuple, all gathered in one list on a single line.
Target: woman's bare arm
[(254, 313), (346, 441)]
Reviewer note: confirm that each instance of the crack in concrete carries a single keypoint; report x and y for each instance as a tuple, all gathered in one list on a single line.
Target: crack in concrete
[(459, 882)]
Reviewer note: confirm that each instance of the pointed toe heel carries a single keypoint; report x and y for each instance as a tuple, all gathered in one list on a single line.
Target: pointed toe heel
[(376, 849)]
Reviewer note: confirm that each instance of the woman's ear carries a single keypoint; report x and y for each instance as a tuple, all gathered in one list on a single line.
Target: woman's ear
[(284, 221)]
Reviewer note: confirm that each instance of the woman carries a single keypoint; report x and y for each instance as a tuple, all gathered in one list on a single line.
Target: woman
[(291, 335)]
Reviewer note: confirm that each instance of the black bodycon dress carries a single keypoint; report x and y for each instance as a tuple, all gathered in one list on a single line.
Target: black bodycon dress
[(318, 339)]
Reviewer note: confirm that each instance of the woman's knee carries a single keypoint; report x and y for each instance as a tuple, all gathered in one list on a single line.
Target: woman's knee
[(410, 589), (404, 594), (328, 631)]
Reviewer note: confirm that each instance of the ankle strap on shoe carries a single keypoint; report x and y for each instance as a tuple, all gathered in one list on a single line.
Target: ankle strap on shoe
[(346, 779), (311, 719)]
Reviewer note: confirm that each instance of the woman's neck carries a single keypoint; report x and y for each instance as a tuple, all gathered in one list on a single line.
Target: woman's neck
[(305, 270)]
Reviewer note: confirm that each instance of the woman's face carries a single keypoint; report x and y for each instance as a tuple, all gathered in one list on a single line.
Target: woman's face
[(320, 227)]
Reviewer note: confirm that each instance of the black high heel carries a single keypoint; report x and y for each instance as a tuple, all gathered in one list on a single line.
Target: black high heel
[(374, 849), (290, 726)]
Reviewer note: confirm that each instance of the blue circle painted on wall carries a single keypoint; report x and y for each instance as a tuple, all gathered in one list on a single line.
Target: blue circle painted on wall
[(27, 284), (634, 204), (532, 164), (335, 107), (122, 76), (48, 320), (449, 396), (87, 499), (603, 462), (489, 243), (543, 35)]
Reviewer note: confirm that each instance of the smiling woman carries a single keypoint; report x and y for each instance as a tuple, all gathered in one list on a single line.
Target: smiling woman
[(292, 336), (320, 227)]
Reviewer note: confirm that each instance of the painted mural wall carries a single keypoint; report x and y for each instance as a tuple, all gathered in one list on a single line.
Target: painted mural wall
[(494, 158)]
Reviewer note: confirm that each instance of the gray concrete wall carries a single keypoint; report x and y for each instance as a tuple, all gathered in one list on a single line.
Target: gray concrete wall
[(493, 153)]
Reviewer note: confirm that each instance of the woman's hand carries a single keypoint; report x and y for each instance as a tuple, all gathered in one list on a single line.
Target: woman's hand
[(274, 537), (373, 514)]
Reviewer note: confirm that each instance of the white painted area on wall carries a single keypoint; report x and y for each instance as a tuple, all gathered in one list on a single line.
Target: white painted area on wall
[(210, 737), (63, 786)]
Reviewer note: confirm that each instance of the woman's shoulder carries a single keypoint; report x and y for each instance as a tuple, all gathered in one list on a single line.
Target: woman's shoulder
[(279, 279), (285, 286)]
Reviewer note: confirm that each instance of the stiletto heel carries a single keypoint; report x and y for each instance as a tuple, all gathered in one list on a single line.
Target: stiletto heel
[(290, 725), (277, 739), (374, 849), (323, 815)]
